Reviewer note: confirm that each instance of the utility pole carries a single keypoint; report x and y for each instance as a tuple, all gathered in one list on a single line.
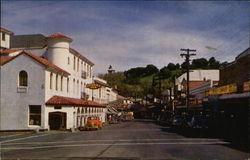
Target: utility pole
[(187, 56), (160, 88)]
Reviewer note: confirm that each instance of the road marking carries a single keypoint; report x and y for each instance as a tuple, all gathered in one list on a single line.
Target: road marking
[(10, 136), (116, 144), (120, 140), (17, 139)]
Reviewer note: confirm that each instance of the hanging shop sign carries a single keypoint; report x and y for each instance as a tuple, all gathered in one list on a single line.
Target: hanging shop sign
[(93, 86)]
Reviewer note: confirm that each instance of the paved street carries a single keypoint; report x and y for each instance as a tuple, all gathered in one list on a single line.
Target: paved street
[(139, 139)]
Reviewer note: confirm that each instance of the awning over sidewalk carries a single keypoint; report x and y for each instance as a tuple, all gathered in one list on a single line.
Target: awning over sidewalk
[(239, 95), (111, 110), (59, 100)]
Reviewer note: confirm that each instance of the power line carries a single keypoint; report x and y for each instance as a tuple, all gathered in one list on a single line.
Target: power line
[(224, 43)]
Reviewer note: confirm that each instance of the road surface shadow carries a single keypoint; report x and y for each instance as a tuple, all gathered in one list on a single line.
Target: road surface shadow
[(93, 158), (235, 143)]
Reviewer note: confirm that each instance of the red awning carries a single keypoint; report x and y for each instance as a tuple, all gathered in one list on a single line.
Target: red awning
[(59, 100)]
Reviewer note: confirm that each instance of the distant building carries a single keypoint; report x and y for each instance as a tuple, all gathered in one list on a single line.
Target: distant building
[(196, 77), (105, 93), (121, 103), (111, 70), (199, 91)]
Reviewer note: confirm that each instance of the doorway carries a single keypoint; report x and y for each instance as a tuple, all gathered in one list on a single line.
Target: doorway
[(57, 120)]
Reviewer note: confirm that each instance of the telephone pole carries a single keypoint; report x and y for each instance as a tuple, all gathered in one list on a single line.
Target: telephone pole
[(187, 56)]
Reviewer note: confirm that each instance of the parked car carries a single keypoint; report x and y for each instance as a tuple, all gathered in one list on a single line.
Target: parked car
[(113, 121), (93, 123), (197, 121), (177, 120)]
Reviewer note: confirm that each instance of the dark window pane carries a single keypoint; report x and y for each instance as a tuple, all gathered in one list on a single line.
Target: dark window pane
[(23, 78), (35, 115)]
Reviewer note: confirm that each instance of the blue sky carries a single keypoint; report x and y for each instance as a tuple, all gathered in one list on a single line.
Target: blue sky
[(128, 34)]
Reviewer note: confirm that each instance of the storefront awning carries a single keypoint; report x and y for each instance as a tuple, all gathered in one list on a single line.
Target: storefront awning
[(67, 101), (239, 95), (111, 110)]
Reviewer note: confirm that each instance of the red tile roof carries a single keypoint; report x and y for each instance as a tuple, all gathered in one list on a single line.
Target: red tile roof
[(8, 51), (6, 30), (59, 100), (5, 59), (59, 35), (41, 60), (75, 52)]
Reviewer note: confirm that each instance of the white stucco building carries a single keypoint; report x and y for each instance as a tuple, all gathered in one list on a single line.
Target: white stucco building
[(105, 93), (43, 83), (197, 77)]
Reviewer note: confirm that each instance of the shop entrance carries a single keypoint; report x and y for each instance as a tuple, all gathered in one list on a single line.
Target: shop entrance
[(57, 120)]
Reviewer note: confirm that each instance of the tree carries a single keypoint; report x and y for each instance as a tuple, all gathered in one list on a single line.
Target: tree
[(224, 64), (114, 79), (200, 63), (133, 75), (213, 64), (150, 69), (177, 66), (171, 66), (165, 73), (184, 66)]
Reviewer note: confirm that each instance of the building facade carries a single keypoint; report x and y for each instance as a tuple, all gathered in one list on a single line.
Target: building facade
[(43, 83), (105, 93), (196, 77), (199, 91), (230, 101)]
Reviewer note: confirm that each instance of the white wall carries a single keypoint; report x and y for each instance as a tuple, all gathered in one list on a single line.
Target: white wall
[(14, 108), (39, 91), (105, 94), (198, 75), (70, 119), (85, 112)]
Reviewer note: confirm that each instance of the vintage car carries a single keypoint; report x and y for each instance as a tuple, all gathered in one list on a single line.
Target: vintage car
[(93, 123)]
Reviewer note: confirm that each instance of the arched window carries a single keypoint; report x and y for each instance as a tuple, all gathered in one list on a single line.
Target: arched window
[(50, 80), (23, 79)]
